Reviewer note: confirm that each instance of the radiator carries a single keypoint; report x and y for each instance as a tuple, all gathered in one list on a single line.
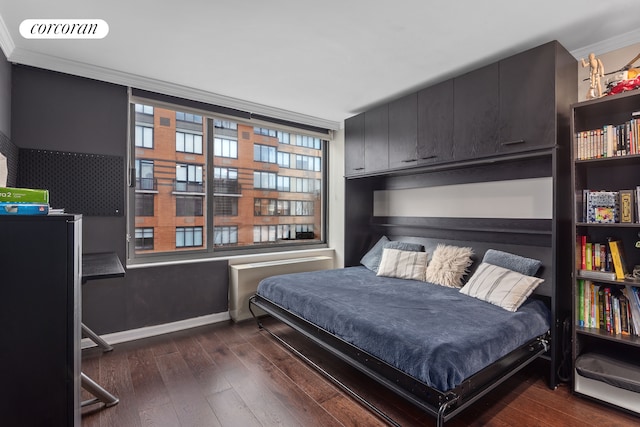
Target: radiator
[(244, 279)]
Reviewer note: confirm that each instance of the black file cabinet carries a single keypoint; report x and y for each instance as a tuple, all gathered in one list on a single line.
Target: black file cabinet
[(40, 282)]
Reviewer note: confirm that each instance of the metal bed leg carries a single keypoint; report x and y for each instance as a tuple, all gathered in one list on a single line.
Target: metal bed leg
[(101, 395), (96, 339)]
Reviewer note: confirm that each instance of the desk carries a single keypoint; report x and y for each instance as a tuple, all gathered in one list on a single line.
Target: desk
[(99, 266)]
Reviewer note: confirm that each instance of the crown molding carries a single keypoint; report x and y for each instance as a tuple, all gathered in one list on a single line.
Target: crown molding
[(53, 63), (608, 45)]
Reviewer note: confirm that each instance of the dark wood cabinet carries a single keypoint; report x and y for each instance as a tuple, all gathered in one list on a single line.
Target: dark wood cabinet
[(40, 258), (354, 145), (476, 112), (508, 107), (376, 139), (403, 132), (435, 124), (528, 100)]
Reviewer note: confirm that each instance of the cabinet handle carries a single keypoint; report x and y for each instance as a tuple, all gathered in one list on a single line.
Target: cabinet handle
[(409, 160), (428, 157), (358, 169), (518, 141)]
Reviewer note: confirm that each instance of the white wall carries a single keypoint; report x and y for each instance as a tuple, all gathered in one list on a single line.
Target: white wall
[(335, 197), (612, 61), (523, 198)]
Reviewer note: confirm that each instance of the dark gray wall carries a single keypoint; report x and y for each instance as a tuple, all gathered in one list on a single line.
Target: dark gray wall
[(7, 148), (55, 111)]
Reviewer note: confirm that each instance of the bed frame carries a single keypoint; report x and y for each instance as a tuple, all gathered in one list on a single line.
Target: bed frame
[(541, 239)]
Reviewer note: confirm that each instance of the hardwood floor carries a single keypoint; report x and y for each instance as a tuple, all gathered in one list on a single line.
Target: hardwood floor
[(235, 375)]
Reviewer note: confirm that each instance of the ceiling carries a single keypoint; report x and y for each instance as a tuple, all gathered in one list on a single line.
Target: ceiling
[(317, 62)]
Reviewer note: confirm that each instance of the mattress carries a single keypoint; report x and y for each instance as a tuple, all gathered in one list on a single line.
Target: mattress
[(433, 333)]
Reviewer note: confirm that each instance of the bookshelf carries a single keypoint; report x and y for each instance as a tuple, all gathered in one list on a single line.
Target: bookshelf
[(606, 158)]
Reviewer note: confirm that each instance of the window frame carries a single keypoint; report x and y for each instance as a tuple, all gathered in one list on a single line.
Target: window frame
[(210, 250)]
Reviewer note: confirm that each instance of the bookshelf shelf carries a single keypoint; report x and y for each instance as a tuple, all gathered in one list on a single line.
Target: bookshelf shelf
[(609, 174), (597, 333)]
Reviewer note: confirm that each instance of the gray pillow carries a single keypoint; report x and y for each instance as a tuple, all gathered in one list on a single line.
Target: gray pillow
[(523, 265), (372, 258)]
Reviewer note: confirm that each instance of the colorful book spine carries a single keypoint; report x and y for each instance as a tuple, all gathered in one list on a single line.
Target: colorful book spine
[(617, 256)]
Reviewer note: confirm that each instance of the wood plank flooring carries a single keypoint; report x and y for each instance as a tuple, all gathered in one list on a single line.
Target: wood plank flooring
[(236, 375)]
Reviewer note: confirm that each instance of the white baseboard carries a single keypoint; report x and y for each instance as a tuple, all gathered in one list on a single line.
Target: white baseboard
[(151, 331)]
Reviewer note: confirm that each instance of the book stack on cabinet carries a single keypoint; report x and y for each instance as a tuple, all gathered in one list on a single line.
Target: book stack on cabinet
[(606, 305)]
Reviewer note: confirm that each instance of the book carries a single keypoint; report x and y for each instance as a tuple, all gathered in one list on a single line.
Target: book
[(22, 208), (597, 274), (602, 206), (627, 206), (24, 195), (617, 256)]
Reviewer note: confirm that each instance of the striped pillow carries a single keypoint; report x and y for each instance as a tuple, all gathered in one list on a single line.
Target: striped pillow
[(500, 286), (403, 264)]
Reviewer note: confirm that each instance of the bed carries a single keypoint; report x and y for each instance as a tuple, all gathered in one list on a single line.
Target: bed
[(441, 341)]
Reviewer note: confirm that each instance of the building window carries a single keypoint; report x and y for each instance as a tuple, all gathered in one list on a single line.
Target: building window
[(264, 180), (144, 175), (188, 206), (264, 153), (189, 178), (188, 142), (224, 147), (188, 117), (144, 204), (225, 236), (308, 141), (188, 237), (144, 136), (182, 188), (144, 239), (225, 206)]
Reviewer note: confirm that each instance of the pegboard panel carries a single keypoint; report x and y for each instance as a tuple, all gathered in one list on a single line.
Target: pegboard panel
[(88, 184)]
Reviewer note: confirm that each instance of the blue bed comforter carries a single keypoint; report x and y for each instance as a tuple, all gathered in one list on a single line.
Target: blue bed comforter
[(433, 333)]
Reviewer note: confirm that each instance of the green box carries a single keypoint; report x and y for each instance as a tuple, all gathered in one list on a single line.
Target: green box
[(23, 195)]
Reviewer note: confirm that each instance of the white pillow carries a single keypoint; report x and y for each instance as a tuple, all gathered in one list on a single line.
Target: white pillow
[(403, 264), (448, 265), (499, 286)]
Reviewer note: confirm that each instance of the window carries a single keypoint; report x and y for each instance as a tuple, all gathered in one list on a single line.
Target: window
[(144, 204), (225, 236), (188, 206), (144, 175), (188, 142), (189, 178), (188, 237), (212, 183), (144, 238), (264, 153), (188, 117), (264, 180), (144, 136), (225, 206), (223, 147)]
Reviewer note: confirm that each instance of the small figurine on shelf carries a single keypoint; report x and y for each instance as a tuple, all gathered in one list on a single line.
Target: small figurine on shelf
[(595, 75)]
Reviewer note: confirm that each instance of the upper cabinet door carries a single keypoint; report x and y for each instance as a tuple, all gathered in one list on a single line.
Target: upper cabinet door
[(476, 112), (528, 100), (354, 145), (403, 132), (376, 139), (435, 123)]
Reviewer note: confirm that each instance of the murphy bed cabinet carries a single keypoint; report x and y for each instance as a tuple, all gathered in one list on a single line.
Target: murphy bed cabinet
[(448, 133), (510, 106), (606, 351)]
